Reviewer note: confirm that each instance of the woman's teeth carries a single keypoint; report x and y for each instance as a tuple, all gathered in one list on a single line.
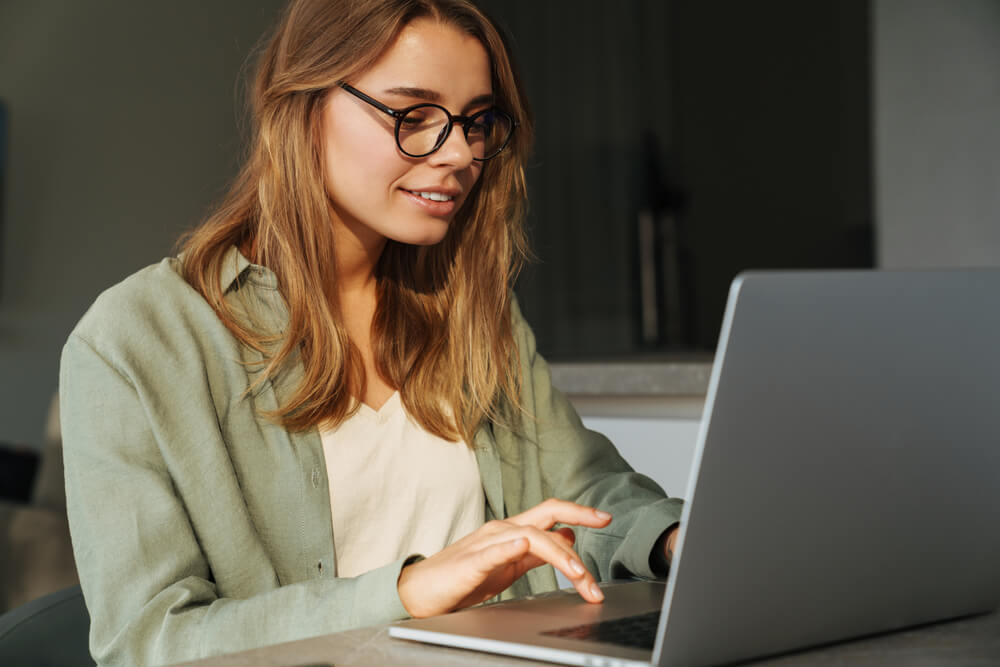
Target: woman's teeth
[(433, 196)]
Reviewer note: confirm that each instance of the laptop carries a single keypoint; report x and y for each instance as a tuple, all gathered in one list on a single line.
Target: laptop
[(845, 482)]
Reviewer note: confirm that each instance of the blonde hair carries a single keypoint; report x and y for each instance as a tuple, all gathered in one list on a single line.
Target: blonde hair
[(442, 332)]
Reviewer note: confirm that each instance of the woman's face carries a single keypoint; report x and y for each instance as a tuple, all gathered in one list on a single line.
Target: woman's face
[(373, 185)]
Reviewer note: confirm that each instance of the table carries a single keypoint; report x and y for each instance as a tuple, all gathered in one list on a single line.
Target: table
[(973, 641)]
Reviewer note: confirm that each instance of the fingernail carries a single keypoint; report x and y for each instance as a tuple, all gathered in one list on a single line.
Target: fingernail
[(596, 591), (601, 514), (576, 567)]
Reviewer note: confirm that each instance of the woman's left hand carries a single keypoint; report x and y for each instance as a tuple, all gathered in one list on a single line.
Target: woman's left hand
[(668, 544), (663, 550)]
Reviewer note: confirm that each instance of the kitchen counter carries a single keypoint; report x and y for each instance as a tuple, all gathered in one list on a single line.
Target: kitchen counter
[(673, 387)]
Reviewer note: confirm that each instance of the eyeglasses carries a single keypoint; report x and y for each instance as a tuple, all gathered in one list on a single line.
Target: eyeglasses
[(423, 128)]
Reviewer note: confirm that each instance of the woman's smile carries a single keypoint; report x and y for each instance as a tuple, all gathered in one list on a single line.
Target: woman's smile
[(436, 202)]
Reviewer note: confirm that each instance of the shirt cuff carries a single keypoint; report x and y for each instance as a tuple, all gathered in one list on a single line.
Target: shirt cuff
[(385, 587), (641, 539)]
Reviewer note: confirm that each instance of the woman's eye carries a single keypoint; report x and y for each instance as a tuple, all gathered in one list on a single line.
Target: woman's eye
[(483, 123), (413, 120)]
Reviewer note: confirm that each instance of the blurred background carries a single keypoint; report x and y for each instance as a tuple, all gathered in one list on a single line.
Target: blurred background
[(679, 142)]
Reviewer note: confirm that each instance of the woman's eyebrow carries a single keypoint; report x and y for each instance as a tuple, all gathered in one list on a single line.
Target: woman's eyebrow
[(419, 93), (433, 95)]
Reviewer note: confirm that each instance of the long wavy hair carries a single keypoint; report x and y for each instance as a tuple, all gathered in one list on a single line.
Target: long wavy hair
[(441, 333)]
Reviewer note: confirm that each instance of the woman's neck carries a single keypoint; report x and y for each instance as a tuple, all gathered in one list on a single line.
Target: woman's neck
[(357, 250)]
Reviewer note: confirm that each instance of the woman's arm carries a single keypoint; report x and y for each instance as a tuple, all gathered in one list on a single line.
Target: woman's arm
[(582, 466), (149, 586)]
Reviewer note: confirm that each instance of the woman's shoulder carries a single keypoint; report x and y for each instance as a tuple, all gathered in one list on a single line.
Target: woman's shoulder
[(154, 303)]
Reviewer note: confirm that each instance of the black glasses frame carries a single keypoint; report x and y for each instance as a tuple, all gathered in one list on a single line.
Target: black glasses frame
[(465, 121)]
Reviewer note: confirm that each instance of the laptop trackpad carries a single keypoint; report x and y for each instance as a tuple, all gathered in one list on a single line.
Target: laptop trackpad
[(621, 598)]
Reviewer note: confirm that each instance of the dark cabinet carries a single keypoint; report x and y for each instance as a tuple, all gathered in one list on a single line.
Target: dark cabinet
[(678, 143)]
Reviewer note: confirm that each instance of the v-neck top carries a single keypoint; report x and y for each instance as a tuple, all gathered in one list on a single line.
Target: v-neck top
[(396, 489)]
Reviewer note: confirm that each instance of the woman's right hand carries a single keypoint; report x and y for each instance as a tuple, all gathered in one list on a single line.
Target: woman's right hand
[(487, 561)]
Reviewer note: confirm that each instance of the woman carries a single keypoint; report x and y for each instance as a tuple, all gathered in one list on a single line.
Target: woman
[(328, 412)]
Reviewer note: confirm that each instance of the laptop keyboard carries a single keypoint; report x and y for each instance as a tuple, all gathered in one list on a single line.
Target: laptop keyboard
[(637, 631)]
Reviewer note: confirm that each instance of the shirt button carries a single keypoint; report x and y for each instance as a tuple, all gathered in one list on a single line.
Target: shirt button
[(315, 478)]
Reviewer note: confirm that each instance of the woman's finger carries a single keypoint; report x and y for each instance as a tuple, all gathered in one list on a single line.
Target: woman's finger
[(552, 548), (502, 553), (552, 511), (566, 534)]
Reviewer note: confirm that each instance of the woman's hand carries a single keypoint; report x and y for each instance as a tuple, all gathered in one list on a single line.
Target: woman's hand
[(668, 544), (663, 551), (487, 561)]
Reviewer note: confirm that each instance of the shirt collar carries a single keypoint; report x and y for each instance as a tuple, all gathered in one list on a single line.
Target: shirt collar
[(237, 270)]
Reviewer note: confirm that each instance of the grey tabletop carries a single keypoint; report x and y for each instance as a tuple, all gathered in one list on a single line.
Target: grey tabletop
[(971, 641)]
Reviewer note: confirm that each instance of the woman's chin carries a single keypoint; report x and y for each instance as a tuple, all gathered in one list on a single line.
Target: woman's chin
[(425, 236)]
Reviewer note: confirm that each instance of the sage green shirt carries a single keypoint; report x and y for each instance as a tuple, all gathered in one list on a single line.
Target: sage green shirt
[(199, 527)]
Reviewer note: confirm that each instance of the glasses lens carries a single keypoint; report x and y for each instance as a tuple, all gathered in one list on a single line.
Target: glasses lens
[(424, 128), (488, 133), (421, 129)]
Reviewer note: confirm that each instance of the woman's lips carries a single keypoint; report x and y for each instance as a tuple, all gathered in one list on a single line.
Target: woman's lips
[(430, 206)]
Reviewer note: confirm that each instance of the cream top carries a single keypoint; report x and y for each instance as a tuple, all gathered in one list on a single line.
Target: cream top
[(397, 490)]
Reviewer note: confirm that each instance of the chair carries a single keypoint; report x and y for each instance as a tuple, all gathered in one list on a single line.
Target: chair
[(36, 554), (51, 631)]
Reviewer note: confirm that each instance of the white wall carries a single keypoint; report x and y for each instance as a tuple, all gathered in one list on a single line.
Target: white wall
[(660, 448), (937, 132)]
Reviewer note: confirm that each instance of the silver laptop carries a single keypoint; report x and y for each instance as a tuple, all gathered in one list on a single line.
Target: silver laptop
[(845, 482)]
